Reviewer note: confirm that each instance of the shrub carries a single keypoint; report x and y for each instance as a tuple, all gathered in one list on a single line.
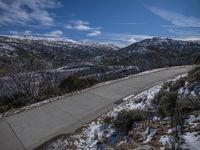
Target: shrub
[(125, 119), (178, 84), (158, 97), (91, 81), (73, 83), (3, 109), (19, 100), (50, 91), (107, 120), (189, 104), (4, 100), (167, 103), (166, 85)]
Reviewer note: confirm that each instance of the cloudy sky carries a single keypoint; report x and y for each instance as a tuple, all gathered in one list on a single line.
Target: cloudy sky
[(118, 21)]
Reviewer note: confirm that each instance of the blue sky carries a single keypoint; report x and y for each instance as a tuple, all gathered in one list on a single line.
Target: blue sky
[(117, 21)]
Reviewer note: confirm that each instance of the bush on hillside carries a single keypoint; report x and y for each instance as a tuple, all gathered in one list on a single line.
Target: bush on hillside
[(17, 100), (167, 103), (125, 119), (189, 104), (107, 120), (4, 100), (73, 83), (177, 85), (158, 97), (166, 85)]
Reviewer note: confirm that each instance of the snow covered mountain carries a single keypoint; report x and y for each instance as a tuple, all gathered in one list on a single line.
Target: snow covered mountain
[(156, 52), (51, 53), (171, 46)]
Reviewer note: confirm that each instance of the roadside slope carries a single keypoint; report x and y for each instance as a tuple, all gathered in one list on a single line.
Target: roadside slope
[(33, 127)]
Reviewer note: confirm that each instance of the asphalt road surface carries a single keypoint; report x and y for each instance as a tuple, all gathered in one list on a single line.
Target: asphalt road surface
[(29, 129)]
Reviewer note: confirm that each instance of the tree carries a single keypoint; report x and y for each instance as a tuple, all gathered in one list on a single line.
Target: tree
[(30, 80)]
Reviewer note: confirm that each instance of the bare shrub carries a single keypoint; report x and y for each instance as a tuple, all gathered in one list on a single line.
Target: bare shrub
[(125, 119)]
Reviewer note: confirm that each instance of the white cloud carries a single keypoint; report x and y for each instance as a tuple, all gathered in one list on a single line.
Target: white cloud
[(14, 32), (94, 33), (176, 18), (26, 32), (83, 26), (68, 26), (55, 33), (132, 40), (79, 25), (123, 39), (189, 38), (80, 22), (27, 12), (129, 23)]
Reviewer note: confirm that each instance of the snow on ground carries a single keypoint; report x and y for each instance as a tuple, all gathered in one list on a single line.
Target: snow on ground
[(192, 136), (93, 132), (193, 120), (140, 101), (150, 132), (183, 91), (192, 141), (7, 47), (165, 140)]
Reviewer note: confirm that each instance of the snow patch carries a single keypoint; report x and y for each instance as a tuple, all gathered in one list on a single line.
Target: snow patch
[(140, 101), (192, 141), (192, 120), (165, 140), (150, 132)]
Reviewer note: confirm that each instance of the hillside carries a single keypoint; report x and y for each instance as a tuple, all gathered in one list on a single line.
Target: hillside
[(158, 52), (46, 53)]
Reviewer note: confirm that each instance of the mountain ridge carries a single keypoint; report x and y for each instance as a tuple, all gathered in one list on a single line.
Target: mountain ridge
[(51, 53)]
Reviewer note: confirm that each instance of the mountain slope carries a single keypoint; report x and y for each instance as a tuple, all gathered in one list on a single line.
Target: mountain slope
[(53, 53), (48, 53), (156, 52)]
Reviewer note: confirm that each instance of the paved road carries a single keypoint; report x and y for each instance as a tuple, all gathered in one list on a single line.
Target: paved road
[(28, 129)]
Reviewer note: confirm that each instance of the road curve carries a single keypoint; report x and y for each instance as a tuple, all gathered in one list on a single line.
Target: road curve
[(29, 129)]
